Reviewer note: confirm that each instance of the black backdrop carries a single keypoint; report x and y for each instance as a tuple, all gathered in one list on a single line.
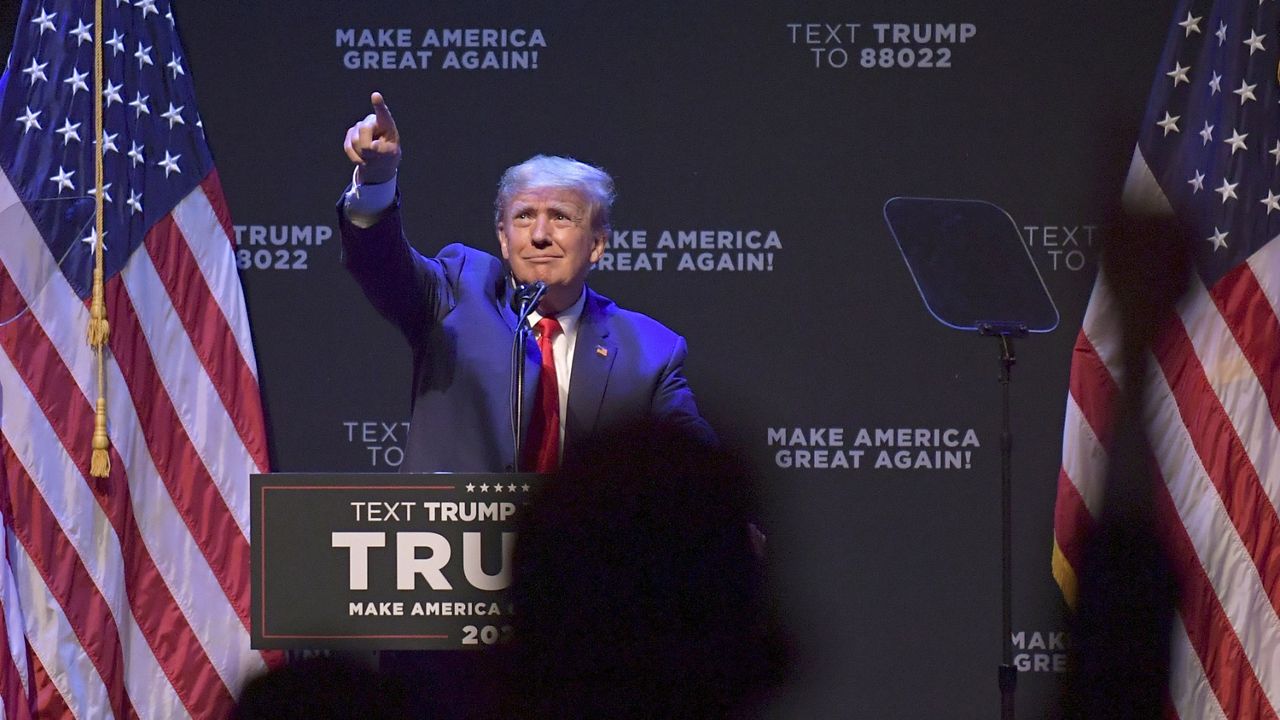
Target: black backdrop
[(798, 119)]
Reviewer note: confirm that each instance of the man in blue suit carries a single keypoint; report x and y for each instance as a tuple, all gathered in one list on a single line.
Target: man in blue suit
[(607, 365)]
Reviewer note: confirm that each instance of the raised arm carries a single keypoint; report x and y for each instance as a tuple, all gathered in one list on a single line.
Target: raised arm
[(405, 287)]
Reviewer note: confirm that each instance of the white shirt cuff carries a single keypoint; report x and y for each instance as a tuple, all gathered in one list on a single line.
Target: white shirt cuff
[(365, 204)]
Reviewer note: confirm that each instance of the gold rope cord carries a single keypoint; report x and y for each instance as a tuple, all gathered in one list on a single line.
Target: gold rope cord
[(99, 330)]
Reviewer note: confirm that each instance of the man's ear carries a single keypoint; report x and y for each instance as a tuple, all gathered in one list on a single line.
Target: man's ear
[(598, 244), (502, 243)]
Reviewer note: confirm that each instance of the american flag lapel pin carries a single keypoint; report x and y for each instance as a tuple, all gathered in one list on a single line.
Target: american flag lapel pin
[(602, 351)]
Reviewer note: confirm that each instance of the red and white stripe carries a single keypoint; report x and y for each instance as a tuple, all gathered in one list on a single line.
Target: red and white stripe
[(128, 596), (1212, 410)]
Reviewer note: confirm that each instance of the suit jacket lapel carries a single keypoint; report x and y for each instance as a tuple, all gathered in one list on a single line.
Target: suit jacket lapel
[(532, 371), (593, 357)]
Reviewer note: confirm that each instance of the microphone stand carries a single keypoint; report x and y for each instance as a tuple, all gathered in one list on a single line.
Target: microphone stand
[(528, 297)]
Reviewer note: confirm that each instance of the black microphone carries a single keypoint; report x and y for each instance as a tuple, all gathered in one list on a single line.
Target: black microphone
[(527, 297)]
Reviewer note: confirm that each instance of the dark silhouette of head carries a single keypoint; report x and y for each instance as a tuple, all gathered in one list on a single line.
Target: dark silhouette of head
[(638, 588)]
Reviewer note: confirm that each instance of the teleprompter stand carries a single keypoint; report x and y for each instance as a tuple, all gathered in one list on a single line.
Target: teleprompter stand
[(974, 273)]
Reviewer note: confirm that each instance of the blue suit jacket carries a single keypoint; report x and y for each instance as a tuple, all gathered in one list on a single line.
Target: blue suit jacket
[(455, 311)]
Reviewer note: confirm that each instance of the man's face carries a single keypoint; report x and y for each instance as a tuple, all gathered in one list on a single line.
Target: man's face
[(546, 235)]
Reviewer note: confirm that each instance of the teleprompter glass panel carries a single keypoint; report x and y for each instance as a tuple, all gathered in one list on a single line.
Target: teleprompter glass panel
[(969, 262)]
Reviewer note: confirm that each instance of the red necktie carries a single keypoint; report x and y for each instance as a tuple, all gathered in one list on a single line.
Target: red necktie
[(542, 450)]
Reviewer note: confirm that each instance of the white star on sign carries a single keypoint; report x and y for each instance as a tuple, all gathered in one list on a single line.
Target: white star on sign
[(76, 81), (109, 142), (1216, 84), (1222, 33), (1254, 42), (174, 116), (36, 71), (44, 20), (484, 488), (1207, 133), (63, 178), (1236, 141), (144, 55), (1272, 201), (105, 194), (471, 487), (112, 92), (135, 153), (1219, 239), (1179, 73), (1197, 182), (176, 66), (82, 33), (170, 164), (134, 202), (140, 103), (1191, 24), (1228, 191), (1245, 92), (116, 42), (68, 132), (1169, 123), (29, 121)]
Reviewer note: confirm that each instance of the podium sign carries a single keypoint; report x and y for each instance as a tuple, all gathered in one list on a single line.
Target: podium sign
[(385, 561)]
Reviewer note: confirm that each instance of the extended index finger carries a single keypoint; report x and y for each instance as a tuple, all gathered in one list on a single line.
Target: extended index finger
[(382, 114)]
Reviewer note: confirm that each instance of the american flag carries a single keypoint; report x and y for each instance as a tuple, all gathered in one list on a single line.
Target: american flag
[(127, 595), (1209, 151)]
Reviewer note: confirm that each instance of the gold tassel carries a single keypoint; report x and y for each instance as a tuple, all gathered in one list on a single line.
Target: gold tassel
[(100, 464), (99, 328)]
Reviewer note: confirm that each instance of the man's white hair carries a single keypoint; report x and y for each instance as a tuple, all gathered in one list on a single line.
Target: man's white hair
[(542, 172)]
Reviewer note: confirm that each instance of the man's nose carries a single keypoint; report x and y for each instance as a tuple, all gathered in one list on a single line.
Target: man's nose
[(541, 235)]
